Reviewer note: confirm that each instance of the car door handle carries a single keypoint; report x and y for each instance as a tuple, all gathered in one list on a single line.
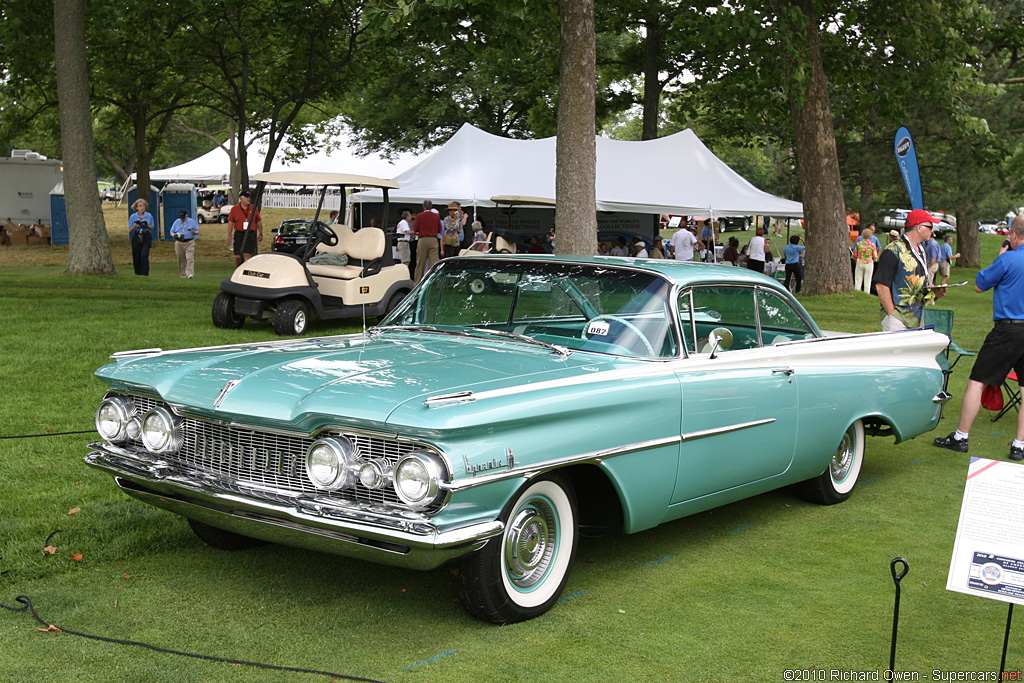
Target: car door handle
[(788, 372)]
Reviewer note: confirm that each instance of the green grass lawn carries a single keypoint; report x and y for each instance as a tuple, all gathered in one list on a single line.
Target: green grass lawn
[(743, 592)]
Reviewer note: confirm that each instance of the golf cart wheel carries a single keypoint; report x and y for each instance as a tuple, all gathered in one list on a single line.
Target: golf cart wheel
[(291, 317), (200, 219), (520, 574), (837, 482), (222, 218), (396, 299), (477, 285), (224, 315), (221, 539)]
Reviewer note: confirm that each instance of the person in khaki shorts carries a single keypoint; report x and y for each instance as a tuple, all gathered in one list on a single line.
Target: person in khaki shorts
[(946, 257), (185, 232)]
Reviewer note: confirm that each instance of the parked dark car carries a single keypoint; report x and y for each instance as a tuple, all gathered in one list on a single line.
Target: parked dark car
[(293, 235)]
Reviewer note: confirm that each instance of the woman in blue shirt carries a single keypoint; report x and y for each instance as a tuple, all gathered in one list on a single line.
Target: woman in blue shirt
[(140, 233)]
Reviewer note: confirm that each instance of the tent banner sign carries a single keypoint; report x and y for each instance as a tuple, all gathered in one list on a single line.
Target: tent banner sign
[(906, 157), (988, 554)]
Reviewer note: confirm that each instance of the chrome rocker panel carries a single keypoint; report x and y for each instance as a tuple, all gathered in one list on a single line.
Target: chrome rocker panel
[(395, 538)]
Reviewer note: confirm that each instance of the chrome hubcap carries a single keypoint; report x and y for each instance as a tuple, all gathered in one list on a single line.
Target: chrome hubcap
[(842, 461), (300, 321), (530, 544)]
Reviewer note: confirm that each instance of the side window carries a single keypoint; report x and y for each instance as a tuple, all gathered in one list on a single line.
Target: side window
[(779, 320), (729, 307)]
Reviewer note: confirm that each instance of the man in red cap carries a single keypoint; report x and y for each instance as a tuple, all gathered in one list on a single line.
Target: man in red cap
[(901, 274)]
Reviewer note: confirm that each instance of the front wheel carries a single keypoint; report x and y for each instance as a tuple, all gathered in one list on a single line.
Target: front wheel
[(836, 483), (224, 315), (520, 574), (291, 317)]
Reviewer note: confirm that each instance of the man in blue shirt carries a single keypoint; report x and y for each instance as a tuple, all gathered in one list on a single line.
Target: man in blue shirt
[(1003, 349), (793, 252), (185, 231), (946, 257)]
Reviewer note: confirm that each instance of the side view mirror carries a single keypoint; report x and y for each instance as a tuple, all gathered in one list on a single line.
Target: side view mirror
[(720, 338)]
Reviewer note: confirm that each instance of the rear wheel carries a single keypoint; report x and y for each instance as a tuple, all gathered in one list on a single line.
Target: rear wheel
[(221, 539), (291, 317), (520, 574), (836, 483), (224, 315), (201, 218)]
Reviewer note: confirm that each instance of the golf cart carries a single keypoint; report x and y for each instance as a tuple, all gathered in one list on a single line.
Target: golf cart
[(341, 273)]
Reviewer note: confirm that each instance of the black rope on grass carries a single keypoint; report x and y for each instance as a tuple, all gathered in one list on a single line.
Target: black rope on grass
[(26, 605), (33, 436)]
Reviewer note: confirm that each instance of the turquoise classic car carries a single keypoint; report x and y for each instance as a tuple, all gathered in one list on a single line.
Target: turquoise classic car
[(507, 403)]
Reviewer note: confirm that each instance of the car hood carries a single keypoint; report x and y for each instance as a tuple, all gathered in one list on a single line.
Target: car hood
[(358, 378)]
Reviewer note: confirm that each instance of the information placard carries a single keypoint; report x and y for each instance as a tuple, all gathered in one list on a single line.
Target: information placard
[(988, 554)]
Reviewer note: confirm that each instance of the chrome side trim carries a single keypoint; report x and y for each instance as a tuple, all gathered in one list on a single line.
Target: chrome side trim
[(703, 434), (540, 468), (443, 399), (942, 397)]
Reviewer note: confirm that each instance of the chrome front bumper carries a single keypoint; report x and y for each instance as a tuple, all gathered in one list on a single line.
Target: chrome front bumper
[(403, 539)]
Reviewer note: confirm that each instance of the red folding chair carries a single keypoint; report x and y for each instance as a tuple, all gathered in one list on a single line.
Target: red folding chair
[(1013, 394)]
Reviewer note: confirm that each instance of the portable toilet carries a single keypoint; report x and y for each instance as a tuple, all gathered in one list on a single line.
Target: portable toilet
[(154, 205), (177, 197), (58, 215)]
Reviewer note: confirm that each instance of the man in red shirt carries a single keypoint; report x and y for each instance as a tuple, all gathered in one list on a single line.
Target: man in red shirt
[(245, 228), (427, 225)]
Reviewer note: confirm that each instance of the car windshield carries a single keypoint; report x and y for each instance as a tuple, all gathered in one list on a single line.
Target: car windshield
[(582, 307)]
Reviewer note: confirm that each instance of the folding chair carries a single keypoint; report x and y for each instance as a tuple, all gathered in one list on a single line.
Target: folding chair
[(1013, 393), (942, 321)]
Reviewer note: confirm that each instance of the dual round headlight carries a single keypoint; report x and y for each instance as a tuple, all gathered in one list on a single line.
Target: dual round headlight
[(159, 429), (334, 463)]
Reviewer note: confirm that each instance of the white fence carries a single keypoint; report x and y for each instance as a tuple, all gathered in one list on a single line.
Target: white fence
[(275, 199)]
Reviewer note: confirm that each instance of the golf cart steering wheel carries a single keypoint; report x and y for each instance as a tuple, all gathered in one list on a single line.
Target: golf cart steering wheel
[(625, 323), (325, 234)]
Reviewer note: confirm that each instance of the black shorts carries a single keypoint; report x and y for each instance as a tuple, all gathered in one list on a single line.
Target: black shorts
[(245, 242), (1002, 351)]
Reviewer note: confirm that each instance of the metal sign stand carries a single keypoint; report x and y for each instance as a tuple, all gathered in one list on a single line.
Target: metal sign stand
[(896, 578), (1006, 640)]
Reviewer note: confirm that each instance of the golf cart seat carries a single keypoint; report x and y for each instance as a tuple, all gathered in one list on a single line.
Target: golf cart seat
[(503, 246), (364, 249), (485, 243)]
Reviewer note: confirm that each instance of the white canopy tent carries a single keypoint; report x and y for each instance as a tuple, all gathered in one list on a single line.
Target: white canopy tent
[(676, 174), (335, 156)]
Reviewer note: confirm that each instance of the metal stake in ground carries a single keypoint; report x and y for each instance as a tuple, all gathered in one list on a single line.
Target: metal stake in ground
[(896, 578), (1006, 640)]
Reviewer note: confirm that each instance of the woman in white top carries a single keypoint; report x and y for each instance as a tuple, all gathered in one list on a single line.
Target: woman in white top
[(756, 252)]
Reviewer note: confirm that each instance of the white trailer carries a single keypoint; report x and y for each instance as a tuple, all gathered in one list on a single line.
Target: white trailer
[(25, 183)]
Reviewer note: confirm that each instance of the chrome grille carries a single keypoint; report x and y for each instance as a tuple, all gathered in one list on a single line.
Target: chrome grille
[(265, 460)]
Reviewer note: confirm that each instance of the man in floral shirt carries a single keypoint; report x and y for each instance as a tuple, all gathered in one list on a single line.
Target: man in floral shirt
[(901, 275)]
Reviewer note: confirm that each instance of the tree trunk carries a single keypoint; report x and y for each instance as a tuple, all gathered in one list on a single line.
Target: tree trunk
[(652, 82), (576, 148), (968, 244), (142, 181), (89, 249), (828, 253)]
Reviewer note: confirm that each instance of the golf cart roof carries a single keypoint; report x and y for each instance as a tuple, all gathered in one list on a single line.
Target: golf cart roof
[(318, 178), (511, 199)]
